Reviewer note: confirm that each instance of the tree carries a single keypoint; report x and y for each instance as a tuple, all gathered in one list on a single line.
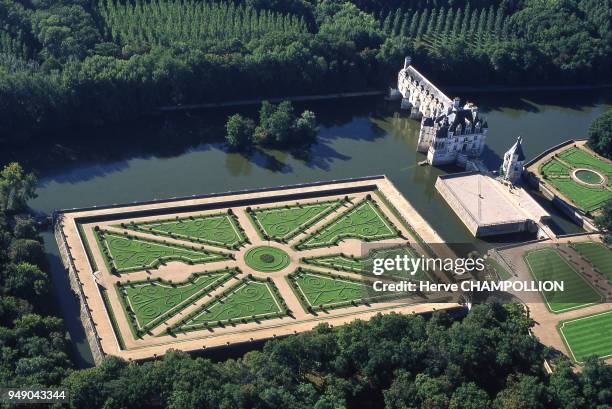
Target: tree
[(239, 131), (604, 221), (469, 396), (600, 134), (306, 127), (27, 250), (279, 126), (522, 392), (25, 228), (25, 281), (16, 187)]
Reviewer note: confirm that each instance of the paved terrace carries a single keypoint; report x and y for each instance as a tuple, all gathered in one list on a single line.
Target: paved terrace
[(481, 201)]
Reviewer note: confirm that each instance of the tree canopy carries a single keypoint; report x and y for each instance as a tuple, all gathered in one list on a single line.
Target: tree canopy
[(278, 126), (72, 62), (600, 134)]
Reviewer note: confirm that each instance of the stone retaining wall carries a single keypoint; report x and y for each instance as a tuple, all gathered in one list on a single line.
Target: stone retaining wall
[(85, 316), (454, 204)]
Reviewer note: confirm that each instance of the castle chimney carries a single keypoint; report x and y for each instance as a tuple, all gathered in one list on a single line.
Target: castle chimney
[(456, 103)]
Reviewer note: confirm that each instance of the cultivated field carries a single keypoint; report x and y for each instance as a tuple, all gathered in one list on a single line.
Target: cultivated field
[(240, 267)]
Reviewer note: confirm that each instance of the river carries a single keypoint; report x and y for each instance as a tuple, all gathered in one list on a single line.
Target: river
[(183, 154)]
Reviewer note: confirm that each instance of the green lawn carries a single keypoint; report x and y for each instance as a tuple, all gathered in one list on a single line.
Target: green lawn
[(583, 197), (554, 168), (149, 303), (597, 254), (283, 223), (248, 300), (548, 265), (579, 158), (126, 253), (364, 221), (365, 264), (586, 336), (221, 230)]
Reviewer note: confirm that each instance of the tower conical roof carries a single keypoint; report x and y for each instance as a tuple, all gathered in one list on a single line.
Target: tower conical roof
[(517, 149)]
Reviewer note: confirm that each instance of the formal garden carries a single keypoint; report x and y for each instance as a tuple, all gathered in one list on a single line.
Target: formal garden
[(221, 230), (325, 291), (217, 270), (149, 303), (283, 223), (581, 176), (124, 253), (251, 300), (364, 221), (365, 264)]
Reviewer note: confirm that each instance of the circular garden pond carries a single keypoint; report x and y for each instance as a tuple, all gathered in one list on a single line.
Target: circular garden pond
[(588, 176)]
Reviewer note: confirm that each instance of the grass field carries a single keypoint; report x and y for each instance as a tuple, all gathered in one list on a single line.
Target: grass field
[(597, 254), (126, 253), (554, 168), (364, 221), (549, 265), (586, 336), (365, 264), (149, 303), (248, 300), (221, 230), (579, 158), (283, 223), (584, 197)]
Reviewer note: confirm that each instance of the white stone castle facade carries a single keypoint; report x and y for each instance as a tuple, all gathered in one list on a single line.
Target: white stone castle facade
[(450, 133)]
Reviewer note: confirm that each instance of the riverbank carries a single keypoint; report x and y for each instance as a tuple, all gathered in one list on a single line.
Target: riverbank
[(526, 88), (340, 95), (299, 98)]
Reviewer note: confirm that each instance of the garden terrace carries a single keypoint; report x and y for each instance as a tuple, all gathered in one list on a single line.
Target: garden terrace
[(214, 270), (577, 175)]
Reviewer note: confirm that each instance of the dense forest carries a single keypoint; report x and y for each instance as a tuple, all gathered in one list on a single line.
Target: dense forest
[(90, 62)]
